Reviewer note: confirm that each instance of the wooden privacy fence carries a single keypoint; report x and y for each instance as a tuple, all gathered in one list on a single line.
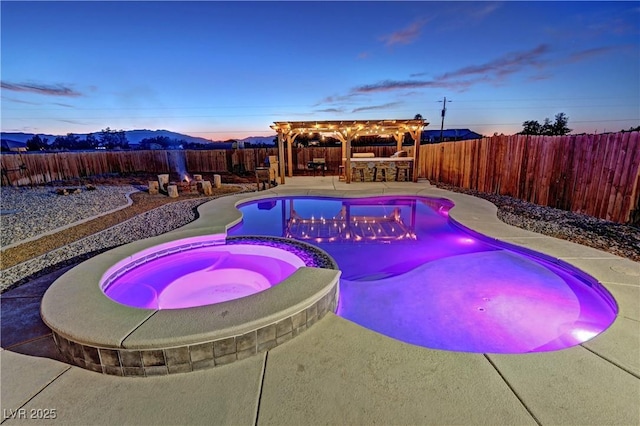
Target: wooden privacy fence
[(598, 175), (36, 168), (21, 169)]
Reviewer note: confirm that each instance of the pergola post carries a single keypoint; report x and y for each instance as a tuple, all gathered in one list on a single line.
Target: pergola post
[(347, 166), (399, 137), (281, 156), (416, 135), (290, 138), (346, 158)]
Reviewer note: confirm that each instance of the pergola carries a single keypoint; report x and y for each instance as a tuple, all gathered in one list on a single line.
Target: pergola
[(346, 132)]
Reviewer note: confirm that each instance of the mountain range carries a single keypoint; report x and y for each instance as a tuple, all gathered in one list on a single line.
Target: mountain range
[(135, 136)]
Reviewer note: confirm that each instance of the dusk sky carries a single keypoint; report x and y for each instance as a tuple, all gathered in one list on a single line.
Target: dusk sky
[(223, 70)]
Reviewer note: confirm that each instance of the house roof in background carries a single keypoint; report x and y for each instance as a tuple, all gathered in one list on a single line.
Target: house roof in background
[(11, 144), (451, 133)]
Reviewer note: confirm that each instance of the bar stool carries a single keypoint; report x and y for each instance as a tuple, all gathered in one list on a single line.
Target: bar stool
[(403, 171), (360, 172), (393, 172), (383, 169), (368, 172)]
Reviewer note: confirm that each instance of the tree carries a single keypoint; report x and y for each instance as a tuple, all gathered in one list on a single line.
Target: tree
[(59, 142), (418, 117), (531, 127), (559, 126), (547, 128), (91, 142), (36, 144), (68, 142), (111, 139)]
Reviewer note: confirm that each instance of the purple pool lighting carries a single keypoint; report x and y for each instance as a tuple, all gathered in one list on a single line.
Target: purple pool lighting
[(412, 273), (202, 271)]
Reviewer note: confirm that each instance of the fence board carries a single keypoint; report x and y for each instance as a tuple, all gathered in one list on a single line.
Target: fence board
[(482, 163), (630, 205), (520, 161), (556, 182), (512, 171), (566, 175), (581, 157), (620, 156), (593, 173), (532, 159), (603, 167)]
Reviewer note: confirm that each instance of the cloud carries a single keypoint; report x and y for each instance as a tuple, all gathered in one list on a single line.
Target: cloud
[(339, 110), (24, 129), (617, 24), (505, 65), (462, 15), (405, 36), (463, 78), (589, 53), (337, 99), (364, 55), (484, 10), (41, 89), (534, 64), (373, 107), (392, 85), (539, 77), (72, 122), (19, 101), (389, 85), (62, 105)]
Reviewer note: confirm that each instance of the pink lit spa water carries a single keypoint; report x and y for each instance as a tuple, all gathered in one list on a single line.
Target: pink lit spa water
[(205, 270), (413, 274)]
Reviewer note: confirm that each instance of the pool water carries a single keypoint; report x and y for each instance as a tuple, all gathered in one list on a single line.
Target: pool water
[(411, 273)]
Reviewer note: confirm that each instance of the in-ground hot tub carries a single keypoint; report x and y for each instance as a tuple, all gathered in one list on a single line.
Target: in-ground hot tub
[(201, 271), (183, 301)]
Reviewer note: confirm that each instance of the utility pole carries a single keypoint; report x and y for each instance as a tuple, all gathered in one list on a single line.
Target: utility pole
[(444, 111)]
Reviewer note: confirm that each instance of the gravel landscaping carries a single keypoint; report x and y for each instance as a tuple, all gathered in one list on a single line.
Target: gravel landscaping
[(621, 240)]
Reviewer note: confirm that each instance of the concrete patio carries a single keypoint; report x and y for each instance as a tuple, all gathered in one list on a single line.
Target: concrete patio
[(340, 373)]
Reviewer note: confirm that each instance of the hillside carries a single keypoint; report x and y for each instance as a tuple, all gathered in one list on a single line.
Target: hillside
[(135, 136)]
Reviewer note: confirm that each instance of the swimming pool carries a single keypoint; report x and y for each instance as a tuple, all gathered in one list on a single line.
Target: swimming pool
[(411, 273)]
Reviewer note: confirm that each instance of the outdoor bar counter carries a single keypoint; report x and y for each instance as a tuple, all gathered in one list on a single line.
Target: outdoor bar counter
[(381, 169)]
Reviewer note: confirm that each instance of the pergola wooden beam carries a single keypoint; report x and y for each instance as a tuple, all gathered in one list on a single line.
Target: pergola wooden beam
[(346, 131)]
